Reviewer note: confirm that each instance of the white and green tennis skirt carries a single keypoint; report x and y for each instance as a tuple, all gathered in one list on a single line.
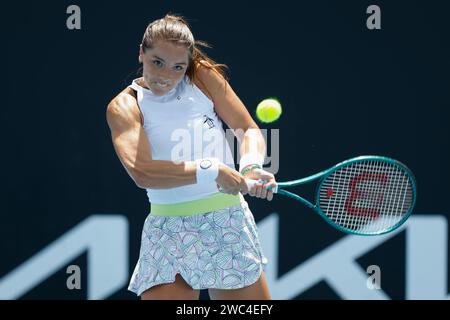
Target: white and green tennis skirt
[(211, 243)]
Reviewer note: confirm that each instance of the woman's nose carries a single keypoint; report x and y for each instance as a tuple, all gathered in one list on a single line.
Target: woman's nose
[(165, 74)]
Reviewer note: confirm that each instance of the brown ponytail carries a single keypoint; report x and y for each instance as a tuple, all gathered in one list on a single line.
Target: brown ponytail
[(174, 28)]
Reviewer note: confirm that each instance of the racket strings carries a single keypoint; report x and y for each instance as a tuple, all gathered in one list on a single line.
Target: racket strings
[(376, 192), (368, 196), (390, 211)]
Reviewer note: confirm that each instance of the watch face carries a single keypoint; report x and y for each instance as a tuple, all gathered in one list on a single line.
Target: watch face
[(205, 164)]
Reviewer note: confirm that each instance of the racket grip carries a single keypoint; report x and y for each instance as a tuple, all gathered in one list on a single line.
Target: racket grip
[(251, 183)]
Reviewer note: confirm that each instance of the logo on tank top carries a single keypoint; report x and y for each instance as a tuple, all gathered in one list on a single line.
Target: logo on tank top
[(208, 121)]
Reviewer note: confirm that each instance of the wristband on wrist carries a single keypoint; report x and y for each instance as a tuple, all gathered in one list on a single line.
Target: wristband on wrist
[(207, 169), (250, 159), (250, 168)]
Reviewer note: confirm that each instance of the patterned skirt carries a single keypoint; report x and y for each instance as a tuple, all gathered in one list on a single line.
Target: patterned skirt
[(218, 249)]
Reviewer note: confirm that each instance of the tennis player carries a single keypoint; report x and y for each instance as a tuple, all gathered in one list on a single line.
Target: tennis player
[(200, 233)]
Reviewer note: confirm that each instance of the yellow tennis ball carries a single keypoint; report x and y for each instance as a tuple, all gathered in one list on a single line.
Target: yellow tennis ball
[(268, 110)]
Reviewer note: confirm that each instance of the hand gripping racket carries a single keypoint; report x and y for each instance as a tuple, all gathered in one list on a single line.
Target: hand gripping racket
[(366, 195)]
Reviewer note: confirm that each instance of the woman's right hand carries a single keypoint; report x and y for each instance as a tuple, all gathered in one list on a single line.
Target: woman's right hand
[(230, 181)]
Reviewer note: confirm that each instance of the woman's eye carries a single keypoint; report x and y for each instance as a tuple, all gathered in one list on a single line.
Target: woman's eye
[(178, 68), (157, 63)]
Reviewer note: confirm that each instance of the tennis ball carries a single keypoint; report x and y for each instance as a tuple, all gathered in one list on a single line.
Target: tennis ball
[(268, 110)]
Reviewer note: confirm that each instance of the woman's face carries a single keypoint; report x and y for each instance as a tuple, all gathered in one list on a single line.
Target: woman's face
[(164, 66)]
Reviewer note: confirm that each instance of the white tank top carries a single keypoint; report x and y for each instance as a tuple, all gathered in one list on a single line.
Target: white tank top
[(182, 126)]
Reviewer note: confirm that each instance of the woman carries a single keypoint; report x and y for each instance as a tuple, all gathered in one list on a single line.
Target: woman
[(200, 233)]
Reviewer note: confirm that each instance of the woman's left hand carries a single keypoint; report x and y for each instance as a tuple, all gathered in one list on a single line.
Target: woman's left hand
[(259, 190)]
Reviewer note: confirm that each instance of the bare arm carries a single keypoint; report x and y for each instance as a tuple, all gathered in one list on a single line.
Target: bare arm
[(231, 109), (133, 149), (233, 112)]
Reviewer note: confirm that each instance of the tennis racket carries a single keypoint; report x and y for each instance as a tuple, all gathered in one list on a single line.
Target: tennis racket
[(366, 195)]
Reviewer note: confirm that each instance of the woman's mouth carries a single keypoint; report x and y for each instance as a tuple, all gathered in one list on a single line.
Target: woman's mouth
[(161, 85)]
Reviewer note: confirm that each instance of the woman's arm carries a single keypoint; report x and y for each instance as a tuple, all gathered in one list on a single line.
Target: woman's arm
[(233, 112), (133, 149)]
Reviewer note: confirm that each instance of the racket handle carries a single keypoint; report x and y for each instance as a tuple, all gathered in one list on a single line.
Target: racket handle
[(251, 183)]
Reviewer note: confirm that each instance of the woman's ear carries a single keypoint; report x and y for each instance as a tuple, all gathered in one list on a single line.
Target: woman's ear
[(141, 53)]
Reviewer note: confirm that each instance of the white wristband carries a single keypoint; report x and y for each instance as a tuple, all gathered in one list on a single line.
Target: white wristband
[(249, 159), (207, 169)]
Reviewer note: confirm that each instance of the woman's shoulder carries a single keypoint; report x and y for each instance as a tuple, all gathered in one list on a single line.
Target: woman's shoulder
[(124, 104), (204, 68), (125, 99), (207, 79)]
